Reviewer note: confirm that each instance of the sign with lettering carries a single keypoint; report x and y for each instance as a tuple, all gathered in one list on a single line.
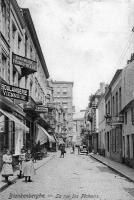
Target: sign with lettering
[(24, 62), (14, 92), (41, 109)]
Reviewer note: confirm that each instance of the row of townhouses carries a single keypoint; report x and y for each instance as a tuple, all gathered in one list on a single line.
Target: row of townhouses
[(29, 114), (109, 117)]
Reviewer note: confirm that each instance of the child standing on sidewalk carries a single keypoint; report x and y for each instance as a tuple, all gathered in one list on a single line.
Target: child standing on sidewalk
[(7, 169), (28, 169)]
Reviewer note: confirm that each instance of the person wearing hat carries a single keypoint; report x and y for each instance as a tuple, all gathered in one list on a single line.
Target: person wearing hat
[(7, 169)]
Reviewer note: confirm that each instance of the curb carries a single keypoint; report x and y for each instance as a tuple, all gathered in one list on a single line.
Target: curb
[(113, 169), (16, 178)]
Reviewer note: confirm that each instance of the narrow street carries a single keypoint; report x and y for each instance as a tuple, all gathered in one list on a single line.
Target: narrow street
[(72, 177)]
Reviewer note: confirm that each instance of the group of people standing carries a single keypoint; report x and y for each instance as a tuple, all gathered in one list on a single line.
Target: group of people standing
[(26, 166)]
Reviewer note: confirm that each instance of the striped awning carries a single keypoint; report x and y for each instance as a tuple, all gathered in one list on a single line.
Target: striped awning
[(51, 139), (18, 123)]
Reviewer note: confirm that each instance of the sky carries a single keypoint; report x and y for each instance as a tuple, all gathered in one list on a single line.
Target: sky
[(84, 41)]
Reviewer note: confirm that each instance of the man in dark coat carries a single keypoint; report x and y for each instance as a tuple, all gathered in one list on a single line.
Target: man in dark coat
[(62, 150)]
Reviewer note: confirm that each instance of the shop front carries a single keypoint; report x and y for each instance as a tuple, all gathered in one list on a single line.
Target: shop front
[(44, 141), (12, 133), (13, 127)]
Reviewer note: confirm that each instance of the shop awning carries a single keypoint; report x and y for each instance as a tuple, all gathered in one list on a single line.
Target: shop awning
[(41, 137), (51, 139), (18, 123)]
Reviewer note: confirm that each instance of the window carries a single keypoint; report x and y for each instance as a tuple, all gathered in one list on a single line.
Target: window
[(36, 93), (64, 91), (26, 45), (13, 30), (31, 52), (58, 91), (4, 25), (48, 97), (126, 117), (120, 99), (3, 67), (19, 81), (14, 76), (113, 105), (128, 147), (19, 42), (133, 144), (113, 140), (108, 141), (116, 104), (132, 115), (64, 103), (26, 79), (106, 110), (108, 107)]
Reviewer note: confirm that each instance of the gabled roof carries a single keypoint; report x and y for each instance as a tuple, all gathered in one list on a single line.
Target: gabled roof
[(30, 25)]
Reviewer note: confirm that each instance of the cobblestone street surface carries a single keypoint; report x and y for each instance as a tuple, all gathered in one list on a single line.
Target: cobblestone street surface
[(73, 177)]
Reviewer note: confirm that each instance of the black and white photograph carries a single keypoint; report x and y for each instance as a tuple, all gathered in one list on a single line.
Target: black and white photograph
[(67, 99)]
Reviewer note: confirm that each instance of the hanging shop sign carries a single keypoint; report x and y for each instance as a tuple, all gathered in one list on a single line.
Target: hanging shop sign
[(27, 65), (41, 109), (14, 92)]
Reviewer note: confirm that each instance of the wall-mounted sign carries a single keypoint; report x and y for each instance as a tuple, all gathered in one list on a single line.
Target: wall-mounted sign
[(28, 66), (41, 109), (117, 120), (14, 92)]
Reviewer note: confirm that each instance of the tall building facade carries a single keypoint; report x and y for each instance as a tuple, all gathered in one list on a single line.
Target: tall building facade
[(63, 95), (24, 96), (114, 120)]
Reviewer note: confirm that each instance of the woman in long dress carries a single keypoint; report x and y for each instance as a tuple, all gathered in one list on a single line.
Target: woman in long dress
[(28, 167), (7, 169)]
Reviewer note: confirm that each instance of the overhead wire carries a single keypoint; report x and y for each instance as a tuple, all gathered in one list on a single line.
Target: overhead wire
[(125, 49)]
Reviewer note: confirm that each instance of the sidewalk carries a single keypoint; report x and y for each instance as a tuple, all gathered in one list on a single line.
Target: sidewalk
[(120, 168), (37, 165)]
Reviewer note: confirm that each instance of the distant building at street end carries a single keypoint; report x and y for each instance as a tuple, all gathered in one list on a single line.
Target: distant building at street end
[(63, 95)]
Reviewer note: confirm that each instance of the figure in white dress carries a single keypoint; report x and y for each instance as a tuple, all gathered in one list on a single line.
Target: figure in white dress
[(7, 169), (28, 168)]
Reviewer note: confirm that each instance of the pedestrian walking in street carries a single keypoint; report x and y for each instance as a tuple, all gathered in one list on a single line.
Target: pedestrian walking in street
[(62, 151), (28, 168), (73, 148), (7, 169), (21, 162)]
